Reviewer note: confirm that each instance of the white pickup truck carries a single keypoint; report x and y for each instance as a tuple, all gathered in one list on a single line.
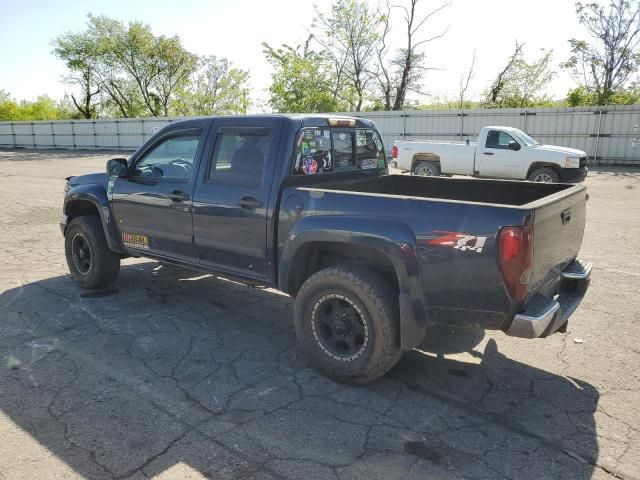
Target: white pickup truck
[(500, 152)]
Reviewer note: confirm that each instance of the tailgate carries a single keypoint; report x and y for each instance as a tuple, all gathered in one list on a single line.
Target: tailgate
[(558, 227)]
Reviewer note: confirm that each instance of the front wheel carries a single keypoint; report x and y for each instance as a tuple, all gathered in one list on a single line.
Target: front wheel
[(346, 319), (544, 175), (91, 263)]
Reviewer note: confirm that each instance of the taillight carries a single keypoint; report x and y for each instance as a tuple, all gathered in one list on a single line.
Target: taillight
[(394, 152), (516, 259)]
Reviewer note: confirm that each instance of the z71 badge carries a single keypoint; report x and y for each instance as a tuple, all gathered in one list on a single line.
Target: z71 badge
[(135, 240), (459, 241)]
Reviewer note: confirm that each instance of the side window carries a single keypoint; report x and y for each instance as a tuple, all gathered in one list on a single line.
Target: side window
[(497, 139), (369, 149), (172, 158), (239, 155)]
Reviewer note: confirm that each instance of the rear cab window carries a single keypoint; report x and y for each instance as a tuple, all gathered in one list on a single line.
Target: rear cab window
[(336, 149)]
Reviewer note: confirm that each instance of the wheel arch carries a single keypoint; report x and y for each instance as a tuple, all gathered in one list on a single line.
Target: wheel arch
[(425, 157), (319, 243), (85, 200), (539, 164)]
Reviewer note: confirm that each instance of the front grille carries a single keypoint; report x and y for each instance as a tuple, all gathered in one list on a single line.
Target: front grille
[(583, 162)]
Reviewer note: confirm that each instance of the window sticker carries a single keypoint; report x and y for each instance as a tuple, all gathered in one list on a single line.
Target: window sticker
[(377, 141), (369, 163), (361, 138), (309, 165)]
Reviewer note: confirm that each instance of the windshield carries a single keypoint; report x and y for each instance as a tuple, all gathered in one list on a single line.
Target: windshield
[(527, 140)]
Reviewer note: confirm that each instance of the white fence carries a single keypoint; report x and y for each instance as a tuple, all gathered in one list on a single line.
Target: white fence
[(609, 135)]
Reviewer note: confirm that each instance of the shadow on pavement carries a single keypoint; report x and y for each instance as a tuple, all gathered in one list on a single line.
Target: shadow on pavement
[(174, 372)]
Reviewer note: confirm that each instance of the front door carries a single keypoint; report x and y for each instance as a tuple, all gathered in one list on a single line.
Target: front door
[(152, 207), (497, 159), (232, 195)]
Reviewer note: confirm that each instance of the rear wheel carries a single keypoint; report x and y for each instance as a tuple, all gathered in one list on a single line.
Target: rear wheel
[(544, 175), (347, 322), (91, 263), (426, 169)]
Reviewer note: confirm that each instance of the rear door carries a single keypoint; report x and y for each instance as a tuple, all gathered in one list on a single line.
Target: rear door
[(557, 231), (231, 195), (496, 159)]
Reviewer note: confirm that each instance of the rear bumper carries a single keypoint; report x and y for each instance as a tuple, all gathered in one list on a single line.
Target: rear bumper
[(544, 315), (573, 175)]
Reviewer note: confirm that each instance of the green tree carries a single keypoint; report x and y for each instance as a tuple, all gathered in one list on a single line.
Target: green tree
[(522, 84), (8, 107), (76, 51), (604, 68), (349, 33), (138, 73), (216, 87), (302, 79), (43, 108)]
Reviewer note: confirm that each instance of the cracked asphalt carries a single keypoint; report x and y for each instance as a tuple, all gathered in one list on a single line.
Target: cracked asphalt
[(175, 374)]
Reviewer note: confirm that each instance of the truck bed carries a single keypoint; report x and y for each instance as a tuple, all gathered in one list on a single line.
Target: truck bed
[(496, 192), (461, 287)]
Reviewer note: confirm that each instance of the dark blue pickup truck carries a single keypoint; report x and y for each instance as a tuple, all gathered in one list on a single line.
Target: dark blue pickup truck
[(306, 204)]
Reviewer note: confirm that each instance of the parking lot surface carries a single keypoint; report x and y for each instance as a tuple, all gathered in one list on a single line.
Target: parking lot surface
[(176, 374)]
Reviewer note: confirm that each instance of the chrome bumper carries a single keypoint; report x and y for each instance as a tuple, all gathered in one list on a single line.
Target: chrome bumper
[(544, 315)]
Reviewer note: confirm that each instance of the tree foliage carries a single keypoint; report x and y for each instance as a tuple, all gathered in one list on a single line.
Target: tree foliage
[(302, 79), (520, 83), (216, 87), (125, 70), (349, 34), (604, 68), (43, 108)]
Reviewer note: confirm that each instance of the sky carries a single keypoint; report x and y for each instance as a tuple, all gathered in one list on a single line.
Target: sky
[(235, 29)]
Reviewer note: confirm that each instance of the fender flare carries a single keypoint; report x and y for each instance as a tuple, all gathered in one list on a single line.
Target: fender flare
[(97, 196), (392, 239)]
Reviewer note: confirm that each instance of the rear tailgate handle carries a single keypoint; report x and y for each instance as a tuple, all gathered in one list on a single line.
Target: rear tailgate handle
[(487, 153), (566, 216)]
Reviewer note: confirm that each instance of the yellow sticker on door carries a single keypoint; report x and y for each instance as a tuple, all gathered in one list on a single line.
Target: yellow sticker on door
[(135, 240)]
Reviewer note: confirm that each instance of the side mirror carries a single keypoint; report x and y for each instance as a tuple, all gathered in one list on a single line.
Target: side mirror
[(514, 145), (117, 167)]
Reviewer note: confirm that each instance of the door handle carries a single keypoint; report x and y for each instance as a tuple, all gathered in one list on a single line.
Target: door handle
[(178, 196), (249, 203), (487, 153)]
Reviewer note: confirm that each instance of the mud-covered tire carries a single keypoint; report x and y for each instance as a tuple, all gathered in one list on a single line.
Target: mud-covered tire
[(544, 175), (370, 297), (98, 266), (426, 169)]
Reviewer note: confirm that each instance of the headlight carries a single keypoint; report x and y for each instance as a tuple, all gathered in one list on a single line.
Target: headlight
[(572, 162)]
